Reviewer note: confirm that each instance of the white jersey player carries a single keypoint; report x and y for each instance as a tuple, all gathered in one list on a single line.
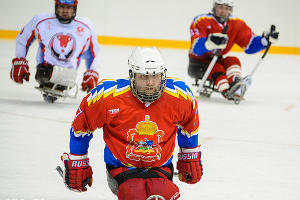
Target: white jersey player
[(63, 40)]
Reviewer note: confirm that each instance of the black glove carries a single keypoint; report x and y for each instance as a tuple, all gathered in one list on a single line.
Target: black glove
[(271, 35), (216, 41)]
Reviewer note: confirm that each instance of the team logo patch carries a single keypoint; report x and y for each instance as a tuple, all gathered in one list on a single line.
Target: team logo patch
[(144, 141), (62, 46)]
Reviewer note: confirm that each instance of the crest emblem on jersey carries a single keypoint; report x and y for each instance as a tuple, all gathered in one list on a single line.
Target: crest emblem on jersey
[(144, 141), (62, 46)]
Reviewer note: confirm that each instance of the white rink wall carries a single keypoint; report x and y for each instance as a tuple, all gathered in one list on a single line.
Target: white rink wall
[(160, 19)]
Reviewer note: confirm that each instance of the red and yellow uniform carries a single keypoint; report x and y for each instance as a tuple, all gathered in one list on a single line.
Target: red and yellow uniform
[(238, 33), (136, 134), (228, 67)]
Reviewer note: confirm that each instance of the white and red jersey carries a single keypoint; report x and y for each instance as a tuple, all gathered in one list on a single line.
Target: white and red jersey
[(59, 44)]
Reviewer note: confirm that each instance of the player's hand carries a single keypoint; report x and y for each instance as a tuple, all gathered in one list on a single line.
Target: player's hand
[(90, 80), (271, 35), (216, 41), (189, 165), (78, 172), (19, 70)]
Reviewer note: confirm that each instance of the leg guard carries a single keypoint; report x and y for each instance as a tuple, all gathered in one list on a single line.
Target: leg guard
[(141, 183), (217, 75), (43, 74), (133, 189), (149, 188), (233, 68), (56, 81), (163, 187)]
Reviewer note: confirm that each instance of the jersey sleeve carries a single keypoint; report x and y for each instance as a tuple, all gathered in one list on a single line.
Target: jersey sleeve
[(198, 36), (188, 125), (187, 130), (247, 40), (91, 55), (90, 115), (25, 37)]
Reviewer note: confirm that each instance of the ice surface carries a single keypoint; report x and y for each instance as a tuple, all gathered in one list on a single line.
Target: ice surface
[(250, 151)]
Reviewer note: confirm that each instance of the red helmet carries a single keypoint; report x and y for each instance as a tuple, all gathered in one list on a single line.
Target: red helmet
[(66, 2)]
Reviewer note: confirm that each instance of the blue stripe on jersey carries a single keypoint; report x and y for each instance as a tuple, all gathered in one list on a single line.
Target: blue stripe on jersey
[(186, 142), (198, 47), (122, 83), (255, 45), (39, 58), (110, 159), (89, 58), (79, 145)]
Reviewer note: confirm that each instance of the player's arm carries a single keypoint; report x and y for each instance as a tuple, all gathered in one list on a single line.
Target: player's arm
[(25, 38), (189, 164), (89, 116), (20, 67), (252, 43), (203, 42), (198, 37), (91, 55)]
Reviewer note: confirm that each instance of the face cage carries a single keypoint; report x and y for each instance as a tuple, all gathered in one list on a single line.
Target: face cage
[(62, 20), (220, 19), (142, 96)]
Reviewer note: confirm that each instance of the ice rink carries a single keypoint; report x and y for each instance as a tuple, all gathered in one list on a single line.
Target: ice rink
[(251, 151)]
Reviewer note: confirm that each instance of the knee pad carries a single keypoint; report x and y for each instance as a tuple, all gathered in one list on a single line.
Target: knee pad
[(133, 189), (43, 73), (233, 67), (141, 189), (163, 187), (196, 69), (63, 76)]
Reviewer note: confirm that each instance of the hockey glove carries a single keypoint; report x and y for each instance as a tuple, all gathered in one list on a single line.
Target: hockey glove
[(90, 80), (189, 165), (270, 36), (19, 70), (216, 41), (78, 172)]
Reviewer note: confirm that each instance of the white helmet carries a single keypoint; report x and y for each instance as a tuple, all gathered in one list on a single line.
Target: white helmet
[(147, 61), (224, 2), (228, 3)]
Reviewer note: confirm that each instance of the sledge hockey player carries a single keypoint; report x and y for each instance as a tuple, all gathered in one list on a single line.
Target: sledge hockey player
[(207, 38), (140, 116), (63, 40)]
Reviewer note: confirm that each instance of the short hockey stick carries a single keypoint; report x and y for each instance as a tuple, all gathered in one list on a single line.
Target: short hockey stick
[(212, 63), (248, 78)]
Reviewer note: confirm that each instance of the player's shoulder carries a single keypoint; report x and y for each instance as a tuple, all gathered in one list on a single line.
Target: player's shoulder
[(43, 17), (108, 88), (85, 22), (179, 89), (202, 17), (236, 19)]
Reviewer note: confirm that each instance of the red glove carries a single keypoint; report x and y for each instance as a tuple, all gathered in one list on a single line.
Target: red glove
[(189, 165), (90, 80), (19, 70), (78, 172)]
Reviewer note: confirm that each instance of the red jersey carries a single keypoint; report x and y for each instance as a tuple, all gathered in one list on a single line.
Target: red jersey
[(137, 134), (238, 33)]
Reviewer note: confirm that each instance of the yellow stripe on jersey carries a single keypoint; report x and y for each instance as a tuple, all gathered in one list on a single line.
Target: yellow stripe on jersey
[(108, 87), (188, 134), (176, 88)]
